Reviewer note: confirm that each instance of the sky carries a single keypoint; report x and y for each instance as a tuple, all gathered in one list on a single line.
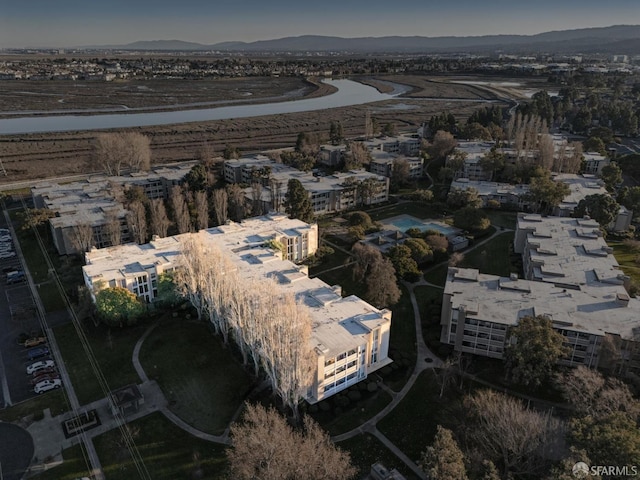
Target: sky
[(69, 23)]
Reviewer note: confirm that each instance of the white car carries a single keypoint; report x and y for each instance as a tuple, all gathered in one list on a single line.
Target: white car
[(40, 365), (47, 385), (7, 254), (5, 238)]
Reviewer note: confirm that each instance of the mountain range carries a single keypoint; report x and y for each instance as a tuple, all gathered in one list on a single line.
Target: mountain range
[(619, 39)]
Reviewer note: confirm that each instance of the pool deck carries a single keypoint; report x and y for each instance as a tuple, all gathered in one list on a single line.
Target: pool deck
[(411, 221)]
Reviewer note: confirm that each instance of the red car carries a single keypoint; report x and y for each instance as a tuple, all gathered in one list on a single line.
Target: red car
[(43, 371), (46, 376)]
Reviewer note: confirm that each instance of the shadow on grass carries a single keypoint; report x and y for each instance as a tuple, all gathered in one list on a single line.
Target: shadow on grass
[(202, 380), (168, 452)]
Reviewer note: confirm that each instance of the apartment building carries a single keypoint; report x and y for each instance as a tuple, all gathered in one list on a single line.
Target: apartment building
[(350, 337), (505, 194), (96, 203), (405, 144), (382, 163), (331, 193), (571, 277)]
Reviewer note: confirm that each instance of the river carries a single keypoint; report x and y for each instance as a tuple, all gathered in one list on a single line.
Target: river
[(348, 93)]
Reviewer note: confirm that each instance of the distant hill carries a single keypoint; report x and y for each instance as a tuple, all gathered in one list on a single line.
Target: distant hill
[(615, 39)]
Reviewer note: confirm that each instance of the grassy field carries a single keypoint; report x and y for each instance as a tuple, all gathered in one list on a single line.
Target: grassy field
[(493, 257), (626, 255), (502, 219), (112, 349), (430, 304), (366, 450), (201, 378), (55, 401), (168, 452), (73, 466)]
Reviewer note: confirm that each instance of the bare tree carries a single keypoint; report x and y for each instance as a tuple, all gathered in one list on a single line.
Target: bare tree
[(113, 151), (159, 221), (112, 228), (506, 431), (264, 446), (202, 210), (137, 221), (220, 205), (546, 150), (574, 162), (357, 157), (237, 202), (180, 209), (82, 237), (256, 198)]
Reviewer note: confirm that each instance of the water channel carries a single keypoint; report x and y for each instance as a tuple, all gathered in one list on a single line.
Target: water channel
[(349, 93)]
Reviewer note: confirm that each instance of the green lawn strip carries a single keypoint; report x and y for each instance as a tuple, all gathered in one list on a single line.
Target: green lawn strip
[(50, 296), (112, 349), (353, 415), (202, 380), (365, 450), (73, 466), (430, 304), (437, 275), (411, 426), (337, 259), (168, 452), (54, 400), (493, 257)]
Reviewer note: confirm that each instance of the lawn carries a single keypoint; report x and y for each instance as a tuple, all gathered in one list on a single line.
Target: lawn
[(365, 450), (437, 275), (112, 348), (626, 256), (202, 380), (402, 343), (494, 257), (168, 452), (72, 468), (353, 415), (411, 426), (430, 304), (55, 401), (416, 209), (502, 219)]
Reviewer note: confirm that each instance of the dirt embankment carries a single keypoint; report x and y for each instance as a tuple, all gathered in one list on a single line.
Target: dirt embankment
[(38, 156)]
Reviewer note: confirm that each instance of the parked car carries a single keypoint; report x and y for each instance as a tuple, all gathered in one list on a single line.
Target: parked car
[(5, 238), (7, 254), (44, 371), (41, 377), (8, 269), (37, 352), (47, 385), (4, 231), (40, 365), (16, 277), (35, 341)]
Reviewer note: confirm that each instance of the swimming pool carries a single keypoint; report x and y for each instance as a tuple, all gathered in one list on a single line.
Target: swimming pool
[(405, 222)]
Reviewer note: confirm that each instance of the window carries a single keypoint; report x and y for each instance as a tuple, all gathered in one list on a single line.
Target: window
[(342, 356), (330, 361), (352, 364), (352, 352), (341, 369)]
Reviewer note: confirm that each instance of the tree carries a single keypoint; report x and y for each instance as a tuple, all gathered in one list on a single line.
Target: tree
[(442, 145), (159, 220), (265, 447), (492, 161), (533, 350), (167, 295), (202, 210), (117, 306), (236, 202), (389, 129), (220, 206), (630, 198), (180, 209), (400, 172), (444, 460), (297, 202), (377, 273), (82, 237), (405, 266), (546, 193), (601, 207), (476, 131), (611, 175), (595, 144), (421, 195), (197, 178), (357, 156), (420, 250), (113, 151), (137, 221), (508, 433), (471, 219), (113, 229), (335, 133), (469, 197), (367, 190), (546, 151), (231, 153), (34, 217)]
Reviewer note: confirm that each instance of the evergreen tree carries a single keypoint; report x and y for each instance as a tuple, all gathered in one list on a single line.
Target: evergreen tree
[(444, 460), (297, 202)]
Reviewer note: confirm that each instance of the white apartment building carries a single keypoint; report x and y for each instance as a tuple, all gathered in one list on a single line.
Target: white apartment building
[(405, 144), (95, 202), (571, 277), (349, 336)]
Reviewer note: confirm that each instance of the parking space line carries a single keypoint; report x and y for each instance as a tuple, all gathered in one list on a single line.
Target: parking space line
[(5, 385)]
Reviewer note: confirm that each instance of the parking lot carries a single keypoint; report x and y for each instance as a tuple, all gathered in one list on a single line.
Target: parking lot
[(18, 321)]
